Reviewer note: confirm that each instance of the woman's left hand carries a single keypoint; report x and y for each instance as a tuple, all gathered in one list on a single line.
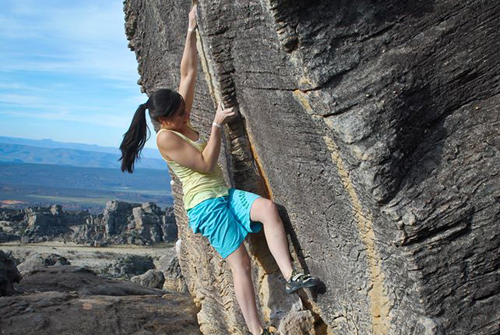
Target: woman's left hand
[(192, 18)]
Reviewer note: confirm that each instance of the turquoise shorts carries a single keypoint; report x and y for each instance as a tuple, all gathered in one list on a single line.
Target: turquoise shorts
[(225, 221)]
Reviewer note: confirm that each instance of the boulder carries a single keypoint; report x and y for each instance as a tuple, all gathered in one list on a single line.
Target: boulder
[(129, 266), (374, 126), (9, 274), (152, 278), (174, 281), (37, 260)]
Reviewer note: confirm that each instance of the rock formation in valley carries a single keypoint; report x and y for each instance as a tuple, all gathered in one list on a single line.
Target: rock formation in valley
[(375, 125), (120, 223)]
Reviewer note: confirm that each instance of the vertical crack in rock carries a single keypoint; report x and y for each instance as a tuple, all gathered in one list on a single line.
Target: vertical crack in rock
[(207, 70), (268, 192), (246, 169), (379, 302), (216, 63)]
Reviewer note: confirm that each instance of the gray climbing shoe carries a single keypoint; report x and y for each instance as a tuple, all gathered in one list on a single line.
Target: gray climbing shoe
[(300, 280)]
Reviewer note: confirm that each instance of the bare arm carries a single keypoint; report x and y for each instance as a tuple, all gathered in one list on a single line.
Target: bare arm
[(178, 150), (189, 63)]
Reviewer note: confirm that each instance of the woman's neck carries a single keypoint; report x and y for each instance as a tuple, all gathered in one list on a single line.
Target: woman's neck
[(182, 130)]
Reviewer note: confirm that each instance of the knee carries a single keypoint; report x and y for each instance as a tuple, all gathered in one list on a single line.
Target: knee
[(242, 265), (269, 210), (265, 211), (269, 206)]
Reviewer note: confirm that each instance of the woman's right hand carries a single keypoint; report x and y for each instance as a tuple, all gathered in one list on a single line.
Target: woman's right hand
[(223, 116)]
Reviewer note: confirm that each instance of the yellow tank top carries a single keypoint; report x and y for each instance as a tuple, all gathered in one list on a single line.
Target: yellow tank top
[(197, 186)]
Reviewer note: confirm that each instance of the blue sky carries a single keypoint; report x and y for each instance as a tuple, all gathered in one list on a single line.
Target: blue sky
[(66, 72)]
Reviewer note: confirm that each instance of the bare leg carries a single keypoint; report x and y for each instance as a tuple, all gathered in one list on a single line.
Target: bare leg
[(243, 287), (265, 211)]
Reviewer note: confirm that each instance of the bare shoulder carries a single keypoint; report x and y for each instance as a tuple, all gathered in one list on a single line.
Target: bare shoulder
[(168, 141)]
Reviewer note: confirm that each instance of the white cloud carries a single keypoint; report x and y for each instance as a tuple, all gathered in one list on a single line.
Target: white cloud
[(66, 61), (68, 37), (39, 107), (10, 86), (21, 99), (60, 113)]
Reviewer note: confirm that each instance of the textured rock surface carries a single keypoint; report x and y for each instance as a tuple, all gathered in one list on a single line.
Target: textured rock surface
[(73, 300), (376, 126)]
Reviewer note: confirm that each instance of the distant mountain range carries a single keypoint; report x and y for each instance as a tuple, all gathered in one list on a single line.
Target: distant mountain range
[(48, 143), (20, 150), (23, 185)]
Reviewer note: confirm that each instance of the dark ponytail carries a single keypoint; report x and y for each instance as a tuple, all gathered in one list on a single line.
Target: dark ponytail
[(134, 139), (162, 103)]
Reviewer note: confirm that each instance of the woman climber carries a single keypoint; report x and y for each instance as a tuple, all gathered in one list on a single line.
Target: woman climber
[(224, 215)]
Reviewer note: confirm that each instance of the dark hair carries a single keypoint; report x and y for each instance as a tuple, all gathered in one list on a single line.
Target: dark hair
[(162, 103)]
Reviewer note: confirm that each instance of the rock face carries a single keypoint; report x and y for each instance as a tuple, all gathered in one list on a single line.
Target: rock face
[(44, 222), (376, 126), (121, 223)]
